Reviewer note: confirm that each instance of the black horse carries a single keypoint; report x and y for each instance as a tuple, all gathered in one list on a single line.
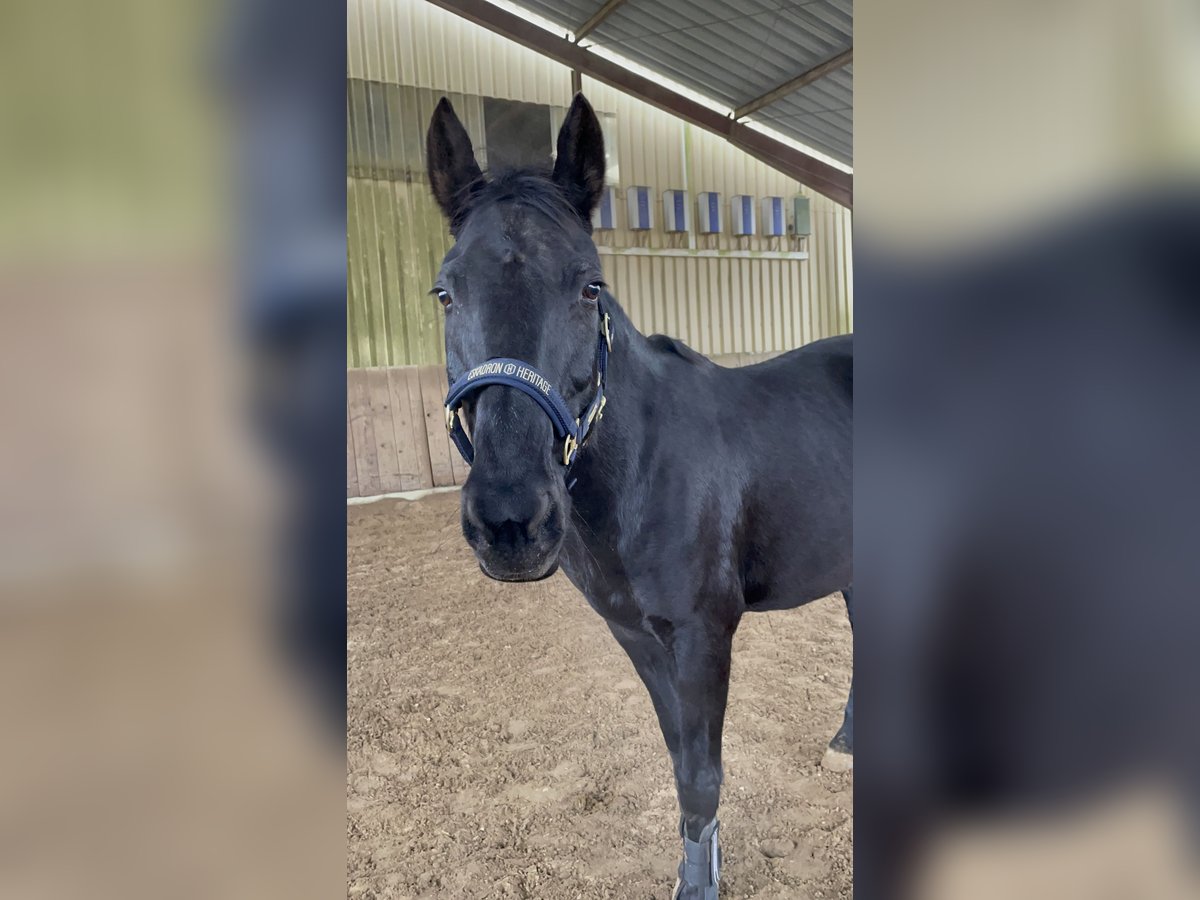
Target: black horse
[(687, 496)]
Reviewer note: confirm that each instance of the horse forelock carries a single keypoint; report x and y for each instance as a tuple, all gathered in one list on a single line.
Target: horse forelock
[(525, 189)]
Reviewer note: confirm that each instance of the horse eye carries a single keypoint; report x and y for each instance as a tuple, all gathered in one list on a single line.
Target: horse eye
[(443, 297), (592, 291)]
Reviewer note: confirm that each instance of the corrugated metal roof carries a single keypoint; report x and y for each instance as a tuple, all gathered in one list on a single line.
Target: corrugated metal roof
[(735, 56)]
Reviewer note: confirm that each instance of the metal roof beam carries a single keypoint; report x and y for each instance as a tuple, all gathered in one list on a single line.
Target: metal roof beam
[(820, 70), (603, 13), (816, 174)]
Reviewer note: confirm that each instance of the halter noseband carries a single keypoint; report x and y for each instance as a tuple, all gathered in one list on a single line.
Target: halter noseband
[(525, 378)]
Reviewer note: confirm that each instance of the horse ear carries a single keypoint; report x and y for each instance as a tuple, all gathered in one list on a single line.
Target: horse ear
[(450, 159), (579, 168)]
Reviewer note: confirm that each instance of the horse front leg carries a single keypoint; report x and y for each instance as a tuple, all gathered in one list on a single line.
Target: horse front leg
[(702, 658), (839, 757), (654, 665), (686, 672)]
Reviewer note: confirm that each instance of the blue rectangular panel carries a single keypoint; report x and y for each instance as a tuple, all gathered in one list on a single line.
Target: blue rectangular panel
[(741, 209), (675, 211), (639, 211), (604, 218)]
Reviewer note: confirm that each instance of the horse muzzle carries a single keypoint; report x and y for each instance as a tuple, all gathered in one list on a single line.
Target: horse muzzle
[(516, 533)]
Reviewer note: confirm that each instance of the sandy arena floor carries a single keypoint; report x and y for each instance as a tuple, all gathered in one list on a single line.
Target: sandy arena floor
[(501, 745)]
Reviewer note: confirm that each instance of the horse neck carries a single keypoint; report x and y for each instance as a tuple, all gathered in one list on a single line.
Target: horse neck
[(610, 463)]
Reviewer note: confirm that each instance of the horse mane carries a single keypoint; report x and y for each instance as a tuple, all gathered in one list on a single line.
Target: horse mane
[(666, 344), (529, 186)]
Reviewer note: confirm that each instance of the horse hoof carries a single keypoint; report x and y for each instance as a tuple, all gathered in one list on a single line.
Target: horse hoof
[(837, 760)]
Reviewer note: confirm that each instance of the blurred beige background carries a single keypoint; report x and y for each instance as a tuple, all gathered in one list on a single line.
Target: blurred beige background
[(978, 119), (153, 743)]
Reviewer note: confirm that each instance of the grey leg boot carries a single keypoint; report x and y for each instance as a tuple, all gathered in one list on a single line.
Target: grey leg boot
[(700, 871)]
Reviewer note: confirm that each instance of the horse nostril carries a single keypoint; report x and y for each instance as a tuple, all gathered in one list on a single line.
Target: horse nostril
[(507, 517), (540, 517), (478, 521)]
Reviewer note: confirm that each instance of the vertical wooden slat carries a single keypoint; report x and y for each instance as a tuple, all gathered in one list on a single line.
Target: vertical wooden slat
[(792, 280), (351, 466), (380, 402), (673, 299), (783, 309), (433, 390), (408, 425), (391, 300), (412, 271), (710, 291), (722, 320), (755, 301), (374, 247), (458, 466), (745, 306), (362, 425), (353, 270)]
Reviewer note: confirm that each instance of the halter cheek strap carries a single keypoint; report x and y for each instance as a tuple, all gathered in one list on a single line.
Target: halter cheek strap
[(527, 379)]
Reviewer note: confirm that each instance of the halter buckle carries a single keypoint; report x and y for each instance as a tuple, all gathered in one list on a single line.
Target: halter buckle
[(570, 445), (597, 411), (450, 419), (606, 329)]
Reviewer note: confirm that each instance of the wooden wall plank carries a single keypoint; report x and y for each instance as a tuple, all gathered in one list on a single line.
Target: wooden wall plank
[(433, 391), (458, 465), (386, 458), (351, 465), (408, 424), (362, 425)]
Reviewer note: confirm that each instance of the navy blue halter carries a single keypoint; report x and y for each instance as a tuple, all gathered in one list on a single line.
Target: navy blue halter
[(525, 378)]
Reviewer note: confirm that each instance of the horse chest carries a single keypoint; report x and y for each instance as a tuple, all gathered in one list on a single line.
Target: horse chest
[(605, 591), (601, 573), (634, 589)]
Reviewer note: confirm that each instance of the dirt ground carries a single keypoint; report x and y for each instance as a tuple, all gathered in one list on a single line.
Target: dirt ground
[(501, 745)]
